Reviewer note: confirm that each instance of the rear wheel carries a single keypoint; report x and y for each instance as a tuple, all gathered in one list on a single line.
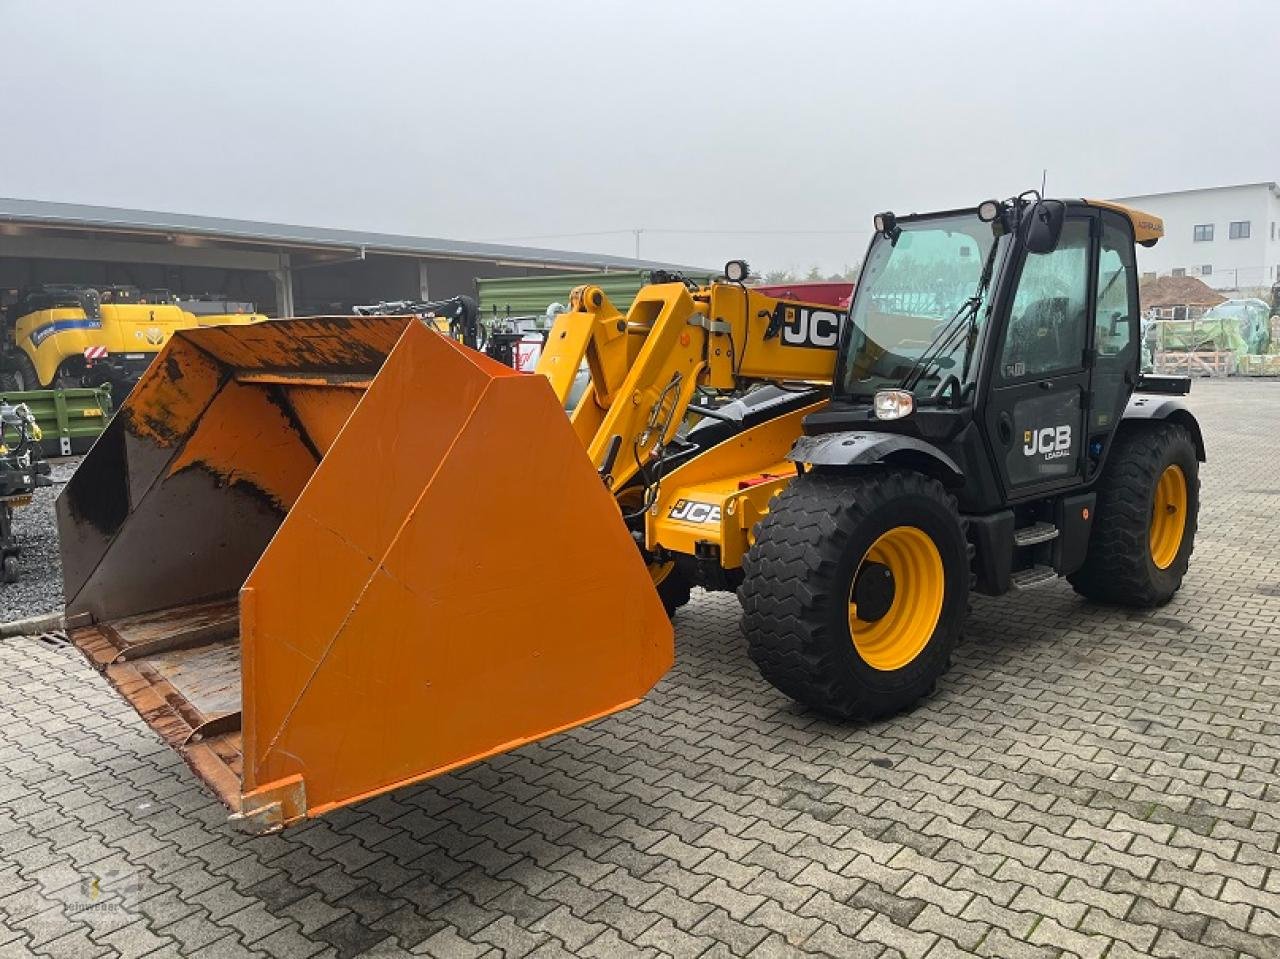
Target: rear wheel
[(855, 591), (1145, 526)]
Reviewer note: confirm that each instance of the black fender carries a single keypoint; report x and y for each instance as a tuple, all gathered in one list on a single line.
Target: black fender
[(859, 448), (1144, 406)]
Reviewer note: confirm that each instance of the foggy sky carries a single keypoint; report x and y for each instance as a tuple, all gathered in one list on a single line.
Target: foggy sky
[(515, 121)]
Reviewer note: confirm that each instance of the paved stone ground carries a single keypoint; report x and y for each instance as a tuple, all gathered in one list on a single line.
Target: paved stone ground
[(1085, 782)]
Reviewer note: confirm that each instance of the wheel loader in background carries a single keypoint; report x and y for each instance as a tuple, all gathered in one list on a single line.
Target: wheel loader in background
[(294, 550)]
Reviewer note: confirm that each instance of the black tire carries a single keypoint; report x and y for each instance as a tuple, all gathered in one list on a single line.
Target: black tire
[(673, 591), (1119, 567), (799, 574), (673, 586), (21, 374)]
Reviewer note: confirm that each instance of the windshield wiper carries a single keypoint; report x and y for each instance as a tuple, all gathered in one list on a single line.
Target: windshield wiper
[(964, 320), (942, 344)]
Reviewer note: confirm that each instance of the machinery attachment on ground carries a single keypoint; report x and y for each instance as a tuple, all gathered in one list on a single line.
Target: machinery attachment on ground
[(22, 471), (69, 419), (299, 551)]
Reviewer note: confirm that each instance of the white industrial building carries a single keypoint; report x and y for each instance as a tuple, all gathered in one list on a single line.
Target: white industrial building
[(1227, 236)]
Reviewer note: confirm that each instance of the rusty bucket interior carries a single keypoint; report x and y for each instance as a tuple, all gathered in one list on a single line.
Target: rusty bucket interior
[(324, 558)]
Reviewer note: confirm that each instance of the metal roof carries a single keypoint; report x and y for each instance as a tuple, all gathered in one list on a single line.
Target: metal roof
[(1269, 184), (50, 214)]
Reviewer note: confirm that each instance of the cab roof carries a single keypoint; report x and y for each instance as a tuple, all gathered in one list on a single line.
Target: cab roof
[(1147, 227)]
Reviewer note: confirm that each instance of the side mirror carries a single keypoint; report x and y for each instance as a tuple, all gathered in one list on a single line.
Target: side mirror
[(1042, 225)]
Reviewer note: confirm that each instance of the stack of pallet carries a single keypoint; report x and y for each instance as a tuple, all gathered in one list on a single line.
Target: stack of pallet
[(1196, 363)]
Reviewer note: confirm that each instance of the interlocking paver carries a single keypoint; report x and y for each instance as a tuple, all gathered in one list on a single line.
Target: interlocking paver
[(1086, 781)]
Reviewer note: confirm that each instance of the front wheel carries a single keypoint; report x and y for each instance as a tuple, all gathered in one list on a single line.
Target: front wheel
[(855, 591), (1145, 524), (672, 585), (21, 375)]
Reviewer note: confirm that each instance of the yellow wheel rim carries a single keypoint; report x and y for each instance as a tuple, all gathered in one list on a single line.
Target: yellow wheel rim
[(894, 639), (660, 571), (1168, 516)]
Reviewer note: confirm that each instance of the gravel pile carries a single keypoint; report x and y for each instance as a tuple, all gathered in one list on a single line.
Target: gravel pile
[(39, 586)]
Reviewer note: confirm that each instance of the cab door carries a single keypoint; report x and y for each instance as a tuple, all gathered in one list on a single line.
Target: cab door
[(1036, 406), (1116, 334)]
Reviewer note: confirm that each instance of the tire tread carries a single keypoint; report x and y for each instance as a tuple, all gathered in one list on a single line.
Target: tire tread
[(785, 597), (1117, 568)]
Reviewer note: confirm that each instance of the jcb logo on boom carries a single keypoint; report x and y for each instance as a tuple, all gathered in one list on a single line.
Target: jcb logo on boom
[(1052, 442), (815, 328), (690, 511)]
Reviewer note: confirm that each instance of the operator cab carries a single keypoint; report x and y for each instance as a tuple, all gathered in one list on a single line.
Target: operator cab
[(982, 435), (1006, 335)]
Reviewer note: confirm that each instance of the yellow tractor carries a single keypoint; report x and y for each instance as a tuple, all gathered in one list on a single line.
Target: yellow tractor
[(65, 335), (295, 549)]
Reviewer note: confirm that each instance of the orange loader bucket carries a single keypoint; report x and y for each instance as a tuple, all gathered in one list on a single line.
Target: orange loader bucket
[(324, 558)]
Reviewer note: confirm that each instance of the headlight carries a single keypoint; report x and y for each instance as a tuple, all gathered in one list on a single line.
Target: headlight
[(893, 404), (885, 223)]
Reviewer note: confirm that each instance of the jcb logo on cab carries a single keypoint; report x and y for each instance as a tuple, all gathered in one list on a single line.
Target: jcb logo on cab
[(1051, 442)]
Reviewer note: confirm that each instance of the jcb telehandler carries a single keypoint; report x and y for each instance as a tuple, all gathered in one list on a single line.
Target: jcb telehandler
[(294, 549)]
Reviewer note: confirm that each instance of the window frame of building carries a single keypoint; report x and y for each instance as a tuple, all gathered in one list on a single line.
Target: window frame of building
[(1240, 230), (1202, 233), (1178, 271), (1206, 270)]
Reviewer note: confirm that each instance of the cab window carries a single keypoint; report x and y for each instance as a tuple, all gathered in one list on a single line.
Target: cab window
[(1115, 312), (1115, 334), (1047, 323)]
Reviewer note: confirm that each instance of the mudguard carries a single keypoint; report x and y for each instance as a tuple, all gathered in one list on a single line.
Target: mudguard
[(863, 448), (1145, 406)]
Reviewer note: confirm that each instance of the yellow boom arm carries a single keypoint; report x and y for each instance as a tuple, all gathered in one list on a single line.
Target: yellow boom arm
[(646, 366)]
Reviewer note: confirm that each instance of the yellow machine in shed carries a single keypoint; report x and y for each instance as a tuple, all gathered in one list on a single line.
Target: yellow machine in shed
[(72, 336)]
